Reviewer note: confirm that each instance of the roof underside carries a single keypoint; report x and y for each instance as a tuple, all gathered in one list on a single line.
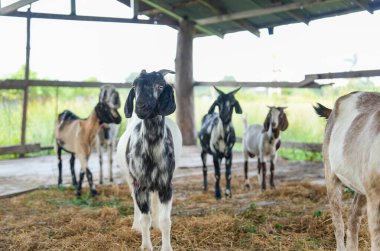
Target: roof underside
[(219, 17)]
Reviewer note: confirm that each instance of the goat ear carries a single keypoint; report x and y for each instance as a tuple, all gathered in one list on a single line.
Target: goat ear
[(284, 123), (128, 107), (238, 109), (212, 108), (267, 122), (166, 103)]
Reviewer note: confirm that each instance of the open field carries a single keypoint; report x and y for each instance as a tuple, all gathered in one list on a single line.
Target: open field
[(292, 217)]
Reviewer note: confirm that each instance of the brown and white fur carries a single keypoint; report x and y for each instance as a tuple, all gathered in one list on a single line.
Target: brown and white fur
[(263, 142), (77, 136), (351, 150), (107, 135)]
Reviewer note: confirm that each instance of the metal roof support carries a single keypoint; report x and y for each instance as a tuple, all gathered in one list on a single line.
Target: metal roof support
[(255, 12), (135, 7), (73, 8), (13, 7), (184, 82), (364, 5), (179, 18)]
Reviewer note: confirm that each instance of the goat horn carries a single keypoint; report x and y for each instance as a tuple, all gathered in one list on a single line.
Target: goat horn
[(164, 72), (219, 91), (270, 107), (235, 91), (143, 72)]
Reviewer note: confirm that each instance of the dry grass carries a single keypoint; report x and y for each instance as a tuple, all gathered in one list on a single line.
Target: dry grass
[(292, 217)]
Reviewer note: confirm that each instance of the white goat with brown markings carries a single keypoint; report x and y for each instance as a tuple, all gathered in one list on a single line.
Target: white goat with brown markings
[(77, 136), (263, 141), (351, 151)]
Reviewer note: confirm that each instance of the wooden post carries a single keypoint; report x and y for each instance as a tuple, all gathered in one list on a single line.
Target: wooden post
[(184, 82), (26, 90)]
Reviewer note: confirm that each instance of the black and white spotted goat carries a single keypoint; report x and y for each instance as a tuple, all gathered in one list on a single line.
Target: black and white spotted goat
[(148, 152), (108, 133), (263, 142), (77, 136), (217, 137)]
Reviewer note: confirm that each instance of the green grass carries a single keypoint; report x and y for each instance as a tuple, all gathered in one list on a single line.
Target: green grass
[(304, 125)]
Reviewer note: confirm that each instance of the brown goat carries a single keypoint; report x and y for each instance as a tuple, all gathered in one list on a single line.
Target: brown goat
[(77, 136)]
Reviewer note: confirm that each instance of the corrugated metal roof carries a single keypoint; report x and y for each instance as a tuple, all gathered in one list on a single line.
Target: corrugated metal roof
[(220, 17)]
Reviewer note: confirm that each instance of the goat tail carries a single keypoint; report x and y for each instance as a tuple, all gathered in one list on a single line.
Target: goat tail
[(322, 111), (245, 122)]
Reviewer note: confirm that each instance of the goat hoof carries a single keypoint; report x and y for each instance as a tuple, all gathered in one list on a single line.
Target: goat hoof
[(101, 182), (205, 188), (111, 180), (228, 195), (247, 186), (273, 187), (94, 193), (218, 196), (78, 194), (136, 227)]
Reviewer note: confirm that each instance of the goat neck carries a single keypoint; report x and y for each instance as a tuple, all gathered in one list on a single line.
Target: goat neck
[(153, 129), (92, 125), (273, 133)]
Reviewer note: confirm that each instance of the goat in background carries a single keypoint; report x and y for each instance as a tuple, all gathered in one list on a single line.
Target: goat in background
[(217, 137), (263, 141), (147, 153), (107, 135), (77, 137), (351, 150)]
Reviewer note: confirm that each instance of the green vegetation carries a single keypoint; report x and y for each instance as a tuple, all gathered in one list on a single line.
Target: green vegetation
[(45, 103)]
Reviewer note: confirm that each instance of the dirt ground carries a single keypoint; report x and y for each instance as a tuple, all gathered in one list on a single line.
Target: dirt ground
[(294, 216)]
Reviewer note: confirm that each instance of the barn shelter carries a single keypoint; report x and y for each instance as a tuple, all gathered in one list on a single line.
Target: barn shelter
[(192, 18)]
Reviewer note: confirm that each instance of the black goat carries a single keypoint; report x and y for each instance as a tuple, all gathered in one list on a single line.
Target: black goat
[(217, 137)]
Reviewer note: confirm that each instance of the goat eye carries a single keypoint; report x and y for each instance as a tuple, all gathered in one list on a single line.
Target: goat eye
[(161, 87)]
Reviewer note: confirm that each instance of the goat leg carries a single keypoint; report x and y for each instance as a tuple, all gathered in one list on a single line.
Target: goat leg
[(218, 194), (72, 168), (272, 175), (91, 182), (264, 171), (59, 153), (204, 160), (79, 187), (228, 193), (246, 174)]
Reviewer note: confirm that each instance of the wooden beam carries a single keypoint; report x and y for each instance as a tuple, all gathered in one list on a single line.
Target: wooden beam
[(22, 84), (20, 149), (302, 84), (26, 90), (85, 18), (13, 7), (184, 83), (255, 12), (364, 5), (346, 74)]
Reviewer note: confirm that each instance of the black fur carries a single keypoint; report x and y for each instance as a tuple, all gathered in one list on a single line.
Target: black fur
[(103, 112)]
